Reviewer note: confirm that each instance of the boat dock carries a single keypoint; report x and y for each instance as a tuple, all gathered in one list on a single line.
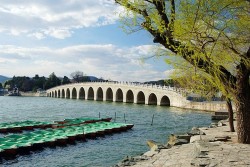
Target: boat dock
[(58, 134)]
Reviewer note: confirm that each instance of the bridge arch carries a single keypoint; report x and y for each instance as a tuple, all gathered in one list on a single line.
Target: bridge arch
[(81, 93), (119, 95), (140, 98), (59, 93), (52, 94), (91, 93), (74, 93), (63, 93), (67, 93), (99, 94), (165, 101), (109, 94), (55, 94), (152, 99), (130, 96)]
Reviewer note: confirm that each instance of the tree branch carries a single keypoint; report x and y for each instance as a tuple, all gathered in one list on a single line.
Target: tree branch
[(172, 17), (177, 47)]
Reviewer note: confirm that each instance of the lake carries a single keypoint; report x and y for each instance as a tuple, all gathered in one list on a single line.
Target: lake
[(104, 151)]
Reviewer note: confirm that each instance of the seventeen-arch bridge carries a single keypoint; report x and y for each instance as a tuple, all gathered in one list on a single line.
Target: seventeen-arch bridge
[(121, 92)]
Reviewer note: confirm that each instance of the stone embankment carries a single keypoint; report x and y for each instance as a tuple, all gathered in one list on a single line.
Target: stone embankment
[(213, 146), (33, 94)]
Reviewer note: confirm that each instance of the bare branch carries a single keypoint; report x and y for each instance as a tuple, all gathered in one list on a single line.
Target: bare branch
[(172, 16)]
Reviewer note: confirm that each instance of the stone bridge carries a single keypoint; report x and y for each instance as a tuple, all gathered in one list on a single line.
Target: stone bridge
[(121, 92)]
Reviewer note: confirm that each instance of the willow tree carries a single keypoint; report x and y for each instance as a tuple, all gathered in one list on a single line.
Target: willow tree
[(196, 81), (210, 35)]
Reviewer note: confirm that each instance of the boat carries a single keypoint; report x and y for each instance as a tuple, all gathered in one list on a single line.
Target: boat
[(14, 144)]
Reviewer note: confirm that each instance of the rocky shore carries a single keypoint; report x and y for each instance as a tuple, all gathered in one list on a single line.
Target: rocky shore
[(202, 147)]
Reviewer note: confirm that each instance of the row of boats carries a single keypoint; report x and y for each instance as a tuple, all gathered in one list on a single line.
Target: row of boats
[(53, 134)]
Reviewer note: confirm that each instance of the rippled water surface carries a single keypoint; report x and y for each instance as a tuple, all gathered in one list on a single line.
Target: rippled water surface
[(105, 151)]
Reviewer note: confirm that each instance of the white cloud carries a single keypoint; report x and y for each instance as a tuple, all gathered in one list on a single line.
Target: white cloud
[(57, 19), (58, 33), (37, 35), (107, 61)]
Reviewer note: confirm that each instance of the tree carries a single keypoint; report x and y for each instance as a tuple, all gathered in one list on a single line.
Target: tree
[(39, 82), (65, 80), (194, 81), (79, 76), (210, 35), (1, 86), (52, 81), (26, 85)]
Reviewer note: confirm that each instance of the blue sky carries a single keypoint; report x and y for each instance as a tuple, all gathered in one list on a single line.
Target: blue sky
[(63, 36)]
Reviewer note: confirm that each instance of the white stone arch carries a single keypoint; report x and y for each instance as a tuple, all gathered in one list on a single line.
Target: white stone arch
[(81, 93), (63, 93), (90, 93), (58, 93), (129, 96), (118, 95), (67, 93), (141, 97), (109, 94), (99, 94), (74, 93), (152, 99), (164, 100)]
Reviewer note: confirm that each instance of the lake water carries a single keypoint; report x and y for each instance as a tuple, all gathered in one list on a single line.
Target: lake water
[(105, 151)]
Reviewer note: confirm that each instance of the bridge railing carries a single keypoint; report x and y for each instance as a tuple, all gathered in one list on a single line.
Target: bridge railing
[(181, 91)]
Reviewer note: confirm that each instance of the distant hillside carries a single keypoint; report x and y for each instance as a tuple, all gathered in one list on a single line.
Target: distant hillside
[(167, 82), (3, 78), (93, 78)]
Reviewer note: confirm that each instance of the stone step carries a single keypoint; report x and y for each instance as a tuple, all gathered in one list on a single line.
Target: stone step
[(220, 113), (219, 117)]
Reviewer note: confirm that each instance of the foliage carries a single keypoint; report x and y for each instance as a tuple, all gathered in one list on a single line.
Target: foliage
[(52, 81), (79, 76), (39, 82), (212, 36), (65, 80), (25, 84), (167, 82)]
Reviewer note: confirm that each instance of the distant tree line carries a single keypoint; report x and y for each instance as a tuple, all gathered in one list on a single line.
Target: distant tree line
[(25, 84), (167, 82)]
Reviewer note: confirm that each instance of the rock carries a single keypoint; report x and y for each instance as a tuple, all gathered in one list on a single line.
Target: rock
[(220, 123), (201, 148), (140, 158), (186, 137), (130, 161), (152, 143), (150, 153), (174, 140), (212, 126), (207, 138), (222, 138), (155, 146), (196, 131)]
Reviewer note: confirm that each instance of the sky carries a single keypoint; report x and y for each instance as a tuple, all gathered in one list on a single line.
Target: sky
[(64, 36)]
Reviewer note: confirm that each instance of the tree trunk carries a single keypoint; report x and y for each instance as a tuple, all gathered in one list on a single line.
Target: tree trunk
[(230, 115), (243, 105)]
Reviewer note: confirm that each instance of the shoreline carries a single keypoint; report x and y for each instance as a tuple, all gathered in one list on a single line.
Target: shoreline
[(212, 146)]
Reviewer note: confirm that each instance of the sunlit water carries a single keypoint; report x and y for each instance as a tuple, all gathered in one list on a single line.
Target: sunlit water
[(105, 151)]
